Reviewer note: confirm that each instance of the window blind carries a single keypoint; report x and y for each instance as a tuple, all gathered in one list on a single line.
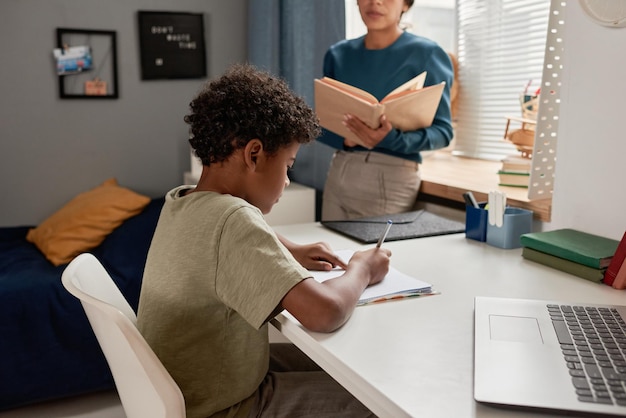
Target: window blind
[(501, 46)]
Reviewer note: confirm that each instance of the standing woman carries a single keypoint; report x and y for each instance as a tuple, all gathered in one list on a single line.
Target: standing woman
[(382, 178)]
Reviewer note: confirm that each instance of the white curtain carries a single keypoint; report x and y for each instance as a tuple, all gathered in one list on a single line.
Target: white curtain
[(501, 46)]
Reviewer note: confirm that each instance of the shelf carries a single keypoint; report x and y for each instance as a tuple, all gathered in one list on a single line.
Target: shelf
[(448, 177)]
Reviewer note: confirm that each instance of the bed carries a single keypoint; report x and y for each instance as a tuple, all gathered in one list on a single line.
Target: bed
[(47, 348)]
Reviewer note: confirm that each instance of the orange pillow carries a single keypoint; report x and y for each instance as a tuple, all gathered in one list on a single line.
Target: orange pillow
[(85, 221)]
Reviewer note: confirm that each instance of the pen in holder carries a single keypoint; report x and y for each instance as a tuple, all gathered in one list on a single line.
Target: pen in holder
[(476, 222), (515, 222)]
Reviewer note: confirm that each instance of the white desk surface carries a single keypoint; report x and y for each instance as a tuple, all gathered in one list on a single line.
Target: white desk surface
[(414, 357)]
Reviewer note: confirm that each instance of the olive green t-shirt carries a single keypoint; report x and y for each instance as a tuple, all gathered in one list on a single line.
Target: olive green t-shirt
[(214, 275)]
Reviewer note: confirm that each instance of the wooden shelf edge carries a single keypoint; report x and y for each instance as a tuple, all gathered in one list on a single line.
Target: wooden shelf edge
[(541, 208), (448, 177)]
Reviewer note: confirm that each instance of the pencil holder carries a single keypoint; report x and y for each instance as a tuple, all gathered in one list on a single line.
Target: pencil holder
[(476, 222), (515, 223)]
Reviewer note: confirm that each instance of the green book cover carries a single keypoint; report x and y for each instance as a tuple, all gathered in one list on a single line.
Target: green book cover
[(577, 269), (513, 178), (581, 247)]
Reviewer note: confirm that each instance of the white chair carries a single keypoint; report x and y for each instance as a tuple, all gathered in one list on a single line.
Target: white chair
[(144, 386)]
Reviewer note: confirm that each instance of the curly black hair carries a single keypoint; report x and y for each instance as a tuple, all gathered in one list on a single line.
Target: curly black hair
[(243, 104)]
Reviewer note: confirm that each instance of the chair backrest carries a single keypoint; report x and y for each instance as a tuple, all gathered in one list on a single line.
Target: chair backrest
[(144, 386)]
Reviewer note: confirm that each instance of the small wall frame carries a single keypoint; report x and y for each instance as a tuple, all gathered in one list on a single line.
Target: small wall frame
[(98, 79), (171, 45)]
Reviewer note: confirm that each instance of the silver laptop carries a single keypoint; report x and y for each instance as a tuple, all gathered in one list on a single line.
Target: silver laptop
[(550, 355)]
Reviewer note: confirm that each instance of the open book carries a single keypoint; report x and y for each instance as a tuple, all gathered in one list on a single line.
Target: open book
[(409, 107), (395, 285)]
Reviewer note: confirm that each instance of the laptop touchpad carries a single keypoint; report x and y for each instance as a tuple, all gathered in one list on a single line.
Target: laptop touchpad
[(515, 329)]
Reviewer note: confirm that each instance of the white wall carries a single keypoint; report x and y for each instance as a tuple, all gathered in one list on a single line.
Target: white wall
[(433, 19), (589, 190)]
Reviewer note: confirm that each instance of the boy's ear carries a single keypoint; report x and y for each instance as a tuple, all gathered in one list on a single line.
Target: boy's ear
[(252, 150)]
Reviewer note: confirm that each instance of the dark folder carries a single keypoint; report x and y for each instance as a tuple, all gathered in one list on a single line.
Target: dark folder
[(416, 224)]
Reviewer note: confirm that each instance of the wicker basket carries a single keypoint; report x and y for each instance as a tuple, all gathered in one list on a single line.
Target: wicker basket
[(523, 138)]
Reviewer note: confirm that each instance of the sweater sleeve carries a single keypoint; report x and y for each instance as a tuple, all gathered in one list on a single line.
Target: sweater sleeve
[(439, 134), (339, 63)]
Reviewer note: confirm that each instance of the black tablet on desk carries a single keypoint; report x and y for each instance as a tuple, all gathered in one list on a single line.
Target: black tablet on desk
[(415, 224)]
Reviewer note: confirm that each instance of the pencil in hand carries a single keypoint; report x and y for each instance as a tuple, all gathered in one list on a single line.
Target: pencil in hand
[(382, 238)]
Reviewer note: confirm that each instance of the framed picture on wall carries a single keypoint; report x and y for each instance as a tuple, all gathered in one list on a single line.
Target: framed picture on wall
[(86, 63), (171, 45)]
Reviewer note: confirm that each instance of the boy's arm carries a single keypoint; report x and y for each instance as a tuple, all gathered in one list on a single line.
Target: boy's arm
[(317, 256), (324, 307)]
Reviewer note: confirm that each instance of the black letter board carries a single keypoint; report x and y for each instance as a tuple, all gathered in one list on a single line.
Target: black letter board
[(171, 45)]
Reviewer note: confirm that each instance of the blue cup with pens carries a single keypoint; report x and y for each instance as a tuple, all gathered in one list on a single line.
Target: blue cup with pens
[(505, 234), (475, 218), (494, 222), (505, 224)]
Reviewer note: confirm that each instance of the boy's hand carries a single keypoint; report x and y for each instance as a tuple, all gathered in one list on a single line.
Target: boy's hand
[(375, 261), (317, 256), (324, 307)]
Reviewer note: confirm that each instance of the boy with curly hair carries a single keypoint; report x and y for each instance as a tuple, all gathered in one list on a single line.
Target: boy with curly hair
[(216, 273)]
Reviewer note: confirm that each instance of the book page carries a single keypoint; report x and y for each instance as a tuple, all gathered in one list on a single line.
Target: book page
[(394, 283), (333, 103), (350, 89), (415, 83), (414, 109)]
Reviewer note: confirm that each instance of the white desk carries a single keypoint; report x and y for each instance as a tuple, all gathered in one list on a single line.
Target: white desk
[(414, 357)]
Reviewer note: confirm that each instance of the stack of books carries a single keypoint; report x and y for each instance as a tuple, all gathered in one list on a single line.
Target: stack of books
[(515, 171), (579, 253)]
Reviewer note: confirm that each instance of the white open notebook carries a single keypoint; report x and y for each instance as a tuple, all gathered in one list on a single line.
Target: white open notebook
[(395, 285)]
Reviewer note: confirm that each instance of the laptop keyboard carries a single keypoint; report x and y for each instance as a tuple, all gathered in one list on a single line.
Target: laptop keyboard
[(593, 342)]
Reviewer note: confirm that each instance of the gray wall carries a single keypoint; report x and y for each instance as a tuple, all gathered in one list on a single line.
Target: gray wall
[(53, 149)]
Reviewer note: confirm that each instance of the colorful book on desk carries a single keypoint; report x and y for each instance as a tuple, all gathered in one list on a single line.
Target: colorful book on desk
[(396, 285), (577, 269), (409, 107), (617, 262), (620, 277), (577, 246)]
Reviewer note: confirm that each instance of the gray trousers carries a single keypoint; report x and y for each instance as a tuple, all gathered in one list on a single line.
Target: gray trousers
[(363, 183), (296, 387)]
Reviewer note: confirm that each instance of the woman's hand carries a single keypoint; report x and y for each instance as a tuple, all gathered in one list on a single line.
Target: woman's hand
[(368, 136)]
